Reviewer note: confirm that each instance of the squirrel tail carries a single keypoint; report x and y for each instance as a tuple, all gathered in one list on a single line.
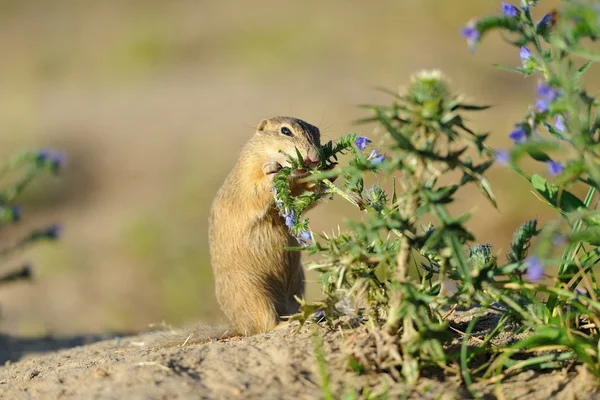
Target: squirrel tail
[(184, 336)]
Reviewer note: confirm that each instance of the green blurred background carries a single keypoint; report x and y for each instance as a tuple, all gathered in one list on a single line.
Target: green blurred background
[(153, 99)]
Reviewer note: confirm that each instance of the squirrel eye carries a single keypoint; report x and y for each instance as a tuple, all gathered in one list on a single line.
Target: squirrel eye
[(286, 131)]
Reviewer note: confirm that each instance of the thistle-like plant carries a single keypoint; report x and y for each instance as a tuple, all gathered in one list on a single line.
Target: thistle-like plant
[(388, 270)]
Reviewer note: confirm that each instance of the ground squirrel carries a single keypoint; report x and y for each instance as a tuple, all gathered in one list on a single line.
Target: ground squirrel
[(255, 278)]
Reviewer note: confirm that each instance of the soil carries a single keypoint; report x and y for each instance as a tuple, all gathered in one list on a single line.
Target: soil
[(278, 365)]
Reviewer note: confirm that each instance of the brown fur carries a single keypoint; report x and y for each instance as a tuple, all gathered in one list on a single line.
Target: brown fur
[(255, 278)]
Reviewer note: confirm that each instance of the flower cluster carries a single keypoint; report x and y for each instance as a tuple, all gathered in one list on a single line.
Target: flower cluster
[(53, 159), (25, 166), (291, 219), (547, 96), (375, 157)]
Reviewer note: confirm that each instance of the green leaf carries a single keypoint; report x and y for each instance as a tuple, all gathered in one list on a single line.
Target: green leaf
[(469, 107), (581, 70), (591, 236), (518, 70), (572, 172), (562, 199)]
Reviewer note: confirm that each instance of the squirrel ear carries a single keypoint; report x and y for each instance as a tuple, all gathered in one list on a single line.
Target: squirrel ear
[(262, 125)]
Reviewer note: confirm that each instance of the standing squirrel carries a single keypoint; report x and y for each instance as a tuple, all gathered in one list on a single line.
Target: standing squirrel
[(256, 279)]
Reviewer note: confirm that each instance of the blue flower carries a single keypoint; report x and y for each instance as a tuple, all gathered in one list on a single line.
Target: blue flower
[(472, 34), (535, 269), (305, 235), (518, 135), (555, 168), (53, 231), (502, 156), (524, 53), (375, 157), (544, 22), (509, 10), (17, 213), (541, 106), (361, 142), (546, 92), (55, 158), (559, 124), (290, 219)]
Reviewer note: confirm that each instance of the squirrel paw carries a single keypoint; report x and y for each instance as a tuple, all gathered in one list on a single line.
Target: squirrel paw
[(271, 168)]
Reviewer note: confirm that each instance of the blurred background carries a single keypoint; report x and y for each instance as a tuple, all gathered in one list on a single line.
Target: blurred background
[(153, 99)]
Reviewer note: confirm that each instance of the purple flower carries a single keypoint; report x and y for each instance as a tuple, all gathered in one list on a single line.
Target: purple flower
[(305, 235), (16, 212), (546, 92), (55, 158), (518, 135), (509, 10), (472, 34), (53, 231), (361, 142), (535, 269), (541, 106), (290, 219), (375, 157), (559, 124), (580, 292), (524, 53), (502, 156), (555, 168), (544, 22)]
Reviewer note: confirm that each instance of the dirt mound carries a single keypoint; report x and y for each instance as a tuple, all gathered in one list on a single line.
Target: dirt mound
[(277, 365)]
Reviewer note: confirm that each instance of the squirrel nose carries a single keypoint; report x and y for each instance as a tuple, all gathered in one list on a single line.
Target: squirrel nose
[(311, 162)]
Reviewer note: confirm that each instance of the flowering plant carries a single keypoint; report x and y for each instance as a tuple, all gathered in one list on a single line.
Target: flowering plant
[(389, 271), (19, 171)]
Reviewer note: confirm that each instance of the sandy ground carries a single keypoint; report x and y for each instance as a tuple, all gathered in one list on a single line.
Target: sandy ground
[(278, 365)]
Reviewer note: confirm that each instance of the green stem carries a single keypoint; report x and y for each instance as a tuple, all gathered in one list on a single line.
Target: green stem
[(333, 189), (570, 252)]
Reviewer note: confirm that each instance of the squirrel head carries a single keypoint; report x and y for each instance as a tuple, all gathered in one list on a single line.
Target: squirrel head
[(286, 134)]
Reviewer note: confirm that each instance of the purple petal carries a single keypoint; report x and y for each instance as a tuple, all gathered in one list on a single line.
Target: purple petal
[(518, 135), (361, 142), (524, 53), (502, 156), (509, 10), (559, 124), (541, 106), (555, 168), (535, 269)]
